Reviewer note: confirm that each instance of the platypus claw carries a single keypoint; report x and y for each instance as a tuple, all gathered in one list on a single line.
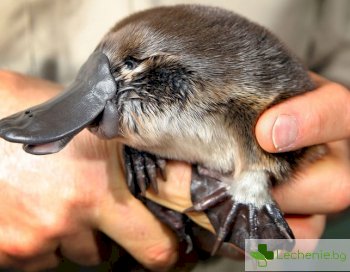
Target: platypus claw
[(141, 170)]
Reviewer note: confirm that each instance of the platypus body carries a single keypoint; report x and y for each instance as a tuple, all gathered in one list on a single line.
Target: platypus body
[(186, 83)]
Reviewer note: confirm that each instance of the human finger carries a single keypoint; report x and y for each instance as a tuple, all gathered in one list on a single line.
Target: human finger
[(307, 226), (127, 221), (322, 187), (315, 117), (140, 233)]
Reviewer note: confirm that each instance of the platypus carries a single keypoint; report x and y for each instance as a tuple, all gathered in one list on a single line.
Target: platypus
[(188, 83)]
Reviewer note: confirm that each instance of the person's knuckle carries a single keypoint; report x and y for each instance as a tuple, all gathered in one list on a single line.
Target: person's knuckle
[(79, 199), (51, 224), (160, 256)]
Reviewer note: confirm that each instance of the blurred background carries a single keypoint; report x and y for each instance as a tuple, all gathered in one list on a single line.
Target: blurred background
[(52, 38)]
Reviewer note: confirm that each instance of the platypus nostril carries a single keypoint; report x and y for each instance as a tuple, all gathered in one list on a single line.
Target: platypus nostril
[(28, 113)]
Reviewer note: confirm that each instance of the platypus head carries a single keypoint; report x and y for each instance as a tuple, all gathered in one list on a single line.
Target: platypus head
[(137, 82), (165, 77)]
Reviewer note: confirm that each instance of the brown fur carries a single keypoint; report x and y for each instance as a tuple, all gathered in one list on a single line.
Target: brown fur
[(204, 77)]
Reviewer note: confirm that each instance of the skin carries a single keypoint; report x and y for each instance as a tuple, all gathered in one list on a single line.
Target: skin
[(65, 209)]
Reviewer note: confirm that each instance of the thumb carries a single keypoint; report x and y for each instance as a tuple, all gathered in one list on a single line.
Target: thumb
[(320, 116)]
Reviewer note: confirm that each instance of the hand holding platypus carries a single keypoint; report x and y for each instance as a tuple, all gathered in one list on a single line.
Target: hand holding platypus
[(192, 91)]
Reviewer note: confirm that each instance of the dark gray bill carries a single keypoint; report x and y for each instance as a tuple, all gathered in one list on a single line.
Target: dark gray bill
[(48, 127)]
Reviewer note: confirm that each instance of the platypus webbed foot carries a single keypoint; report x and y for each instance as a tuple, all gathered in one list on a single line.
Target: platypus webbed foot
[(246, 221), (244, 211), (141, 169)]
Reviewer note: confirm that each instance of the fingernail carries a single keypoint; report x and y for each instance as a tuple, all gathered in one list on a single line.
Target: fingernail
[(284, 132)]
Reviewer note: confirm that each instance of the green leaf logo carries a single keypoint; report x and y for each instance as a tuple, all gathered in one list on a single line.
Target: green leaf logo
[(262, 248), (262, 255), (257, 255)]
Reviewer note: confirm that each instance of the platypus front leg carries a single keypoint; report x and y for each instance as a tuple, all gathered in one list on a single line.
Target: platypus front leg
[(141, 169)]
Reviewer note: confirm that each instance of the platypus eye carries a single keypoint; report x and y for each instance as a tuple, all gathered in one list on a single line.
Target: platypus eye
[(131, 63)]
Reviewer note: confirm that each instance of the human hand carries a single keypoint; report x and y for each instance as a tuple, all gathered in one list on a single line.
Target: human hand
[(320, 116), (58, 201), (96, 204)]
